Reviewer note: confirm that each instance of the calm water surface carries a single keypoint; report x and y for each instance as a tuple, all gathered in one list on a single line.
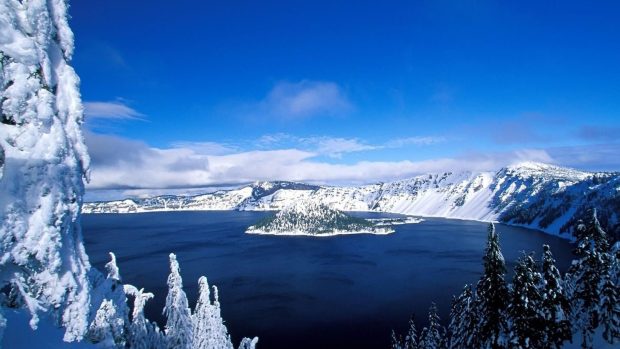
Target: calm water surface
[(304, 292)]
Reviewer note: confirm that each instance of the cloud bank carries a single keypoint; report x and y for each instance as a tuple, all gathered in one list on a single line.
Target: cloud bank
[(123, 163)]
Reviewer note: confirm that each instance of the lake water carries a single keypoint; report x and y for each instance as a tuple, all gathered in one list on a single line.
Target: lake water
[(304, 292)]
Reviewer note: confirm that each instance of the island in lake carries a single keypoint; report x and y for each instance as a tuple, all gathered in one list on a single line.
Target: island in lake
[(316, 219)]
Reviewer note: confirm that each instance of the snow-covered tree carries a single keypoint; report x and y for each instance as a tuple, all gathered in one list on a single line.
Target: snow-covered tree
[(610, 298), (209, 331), (108, 329), (142, 333), (610, 311), (585, 277), (109, 293), (491, 296), (524, 310), (411, 339), (247, 343), (178, 314), (433, 336), (463, 320), (43, 165), (554, 305), (396, 341)]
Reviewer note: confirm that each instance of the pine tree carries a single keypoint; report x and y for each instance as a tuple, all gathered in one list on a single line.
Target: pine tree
[(142, 333), (586, 276), (411, 340), (209, 331), (43, 167), (610, 311), (396, 341), (107, 329), (110, 290), (462, 320), (179, 318), (222, 336), (524, 310), (433, 336), (610, 297), (491, 296), (555, 307), (247, 343)]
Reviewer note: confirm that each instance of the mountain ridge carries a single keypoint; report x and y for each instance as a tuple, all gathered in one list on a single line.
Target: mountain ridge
[(536, 195)]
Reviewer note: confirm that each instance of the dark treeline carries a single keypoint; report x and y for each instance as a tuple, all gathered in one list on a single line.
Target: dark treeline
[(540, 308)]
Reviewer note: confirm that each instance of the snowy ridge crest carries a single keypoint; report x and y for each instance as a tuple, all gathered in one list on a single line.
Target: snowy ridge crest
[(540, 196)]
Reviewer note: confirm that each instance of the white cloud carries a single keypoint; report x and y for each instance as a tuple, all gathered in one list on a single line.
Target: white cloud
[(336, 147), (122, 163), (418, 140), (111, 110), (323, 145), (207, 148), (306, 98)]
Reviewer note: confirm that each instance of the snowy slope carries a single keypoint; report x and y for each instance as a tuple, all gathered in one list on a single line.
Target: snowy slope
[(540, 196)]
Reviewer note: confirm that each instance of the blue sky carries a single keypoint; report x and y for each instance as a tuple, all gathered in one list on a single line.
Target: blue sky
[(197, 93)]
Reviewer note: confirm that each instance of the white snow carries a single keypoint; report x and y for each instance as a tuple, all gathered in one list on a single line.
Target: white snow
[(19, 334), (45, 159), (334, 232), (484, 196), (308, 217)]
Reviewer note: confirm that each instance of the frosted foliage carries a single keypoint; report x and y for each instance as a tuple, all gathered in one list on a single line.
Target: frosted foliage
[(247, 343), (44, 161), (142, 333), (178, 314), (112, 268), (107, 329), (209, 331), (110, 324)]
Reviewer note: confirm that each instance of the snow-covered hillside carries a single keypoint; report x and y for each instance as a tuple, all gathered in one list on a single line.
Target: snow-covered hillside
[(540, 196), (307, 217)]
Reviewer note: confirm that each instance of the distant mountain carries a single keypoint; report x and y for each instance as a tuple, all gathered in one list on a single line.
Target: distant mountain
[(535, 195), (306, 217)]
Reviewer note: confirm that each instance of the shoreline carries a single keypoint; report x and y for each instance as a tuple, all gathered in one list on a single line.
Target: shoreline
[(377, 231)]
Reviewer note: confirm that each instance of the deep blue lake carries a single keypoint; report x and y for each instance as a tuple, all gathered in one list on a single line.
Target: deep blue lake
[(304, 292)]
